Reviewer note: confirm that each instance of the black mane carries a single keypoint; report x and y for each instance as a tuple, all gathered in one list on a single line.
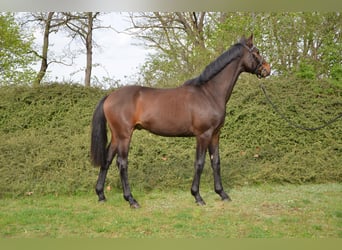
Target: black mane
[(216, 66)]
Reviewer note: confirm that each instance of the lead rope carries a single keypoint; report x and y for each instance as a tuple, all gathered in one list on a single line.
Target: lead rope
[(292, 124)]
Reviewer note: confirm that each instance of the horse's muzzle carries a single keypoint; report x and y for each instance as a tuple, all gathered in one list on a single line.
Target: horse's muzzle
[(264, 70)]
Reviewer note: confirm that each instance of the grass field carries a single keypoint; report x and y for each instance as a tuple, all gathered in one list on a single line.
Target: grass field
[(265, 211)]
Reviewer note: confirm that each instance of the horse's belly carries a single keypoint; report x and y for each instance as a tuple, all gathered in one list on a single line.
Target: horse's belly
[(167, 125)]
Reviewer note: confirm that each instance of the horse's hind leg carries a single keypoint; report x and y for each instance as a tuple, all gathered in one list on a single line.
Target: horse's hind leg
[(111, 151), (122, 163)]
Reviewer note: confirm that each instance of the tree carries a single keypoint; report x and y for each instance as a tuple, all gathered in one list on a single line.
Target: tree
[(51, 22), (15, 52), (303, 43), (77, 25), (44, 62), (178, 37), (82, 25), (306, 44), (185, 42)]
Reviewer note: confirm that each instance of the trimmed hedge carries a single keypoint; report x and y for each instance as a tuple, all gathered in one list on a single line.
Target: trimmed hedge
[(45, 139)]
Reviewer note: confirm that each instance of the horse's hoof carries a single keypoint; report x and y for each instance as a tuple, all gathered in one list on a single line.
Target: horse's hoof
[(226, 198), (200, 203), (135, 205), (102, 200)]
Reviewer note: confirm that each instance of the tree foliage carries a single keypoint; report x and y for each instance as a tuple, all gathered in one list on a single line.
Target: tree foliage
[(15, 52), (300, 41)]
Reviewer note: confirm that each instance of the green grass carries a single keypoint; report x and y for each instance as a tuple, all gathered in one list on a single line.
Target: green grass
[(265, 211)]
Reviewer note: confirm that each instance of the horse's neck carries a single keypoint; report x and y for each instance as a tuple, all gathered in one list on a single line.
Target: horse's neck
[(221, 86)]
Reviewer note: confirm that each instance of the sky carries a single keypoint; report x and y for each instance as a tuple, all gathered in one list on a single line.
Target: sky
[(118, 56)]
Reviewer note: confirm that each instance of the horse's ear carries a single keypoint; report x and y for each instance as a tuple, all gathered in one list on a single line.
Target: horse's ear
[(249, 41)]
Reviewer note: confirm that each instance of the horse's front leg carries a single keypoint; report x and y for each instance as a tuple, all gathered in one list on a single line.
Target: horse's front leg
[(215, 164), (201, 148)]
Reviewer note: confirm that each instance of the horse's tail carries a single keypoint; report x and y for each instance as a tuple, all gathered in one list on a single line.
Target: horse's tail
[(98, 147)]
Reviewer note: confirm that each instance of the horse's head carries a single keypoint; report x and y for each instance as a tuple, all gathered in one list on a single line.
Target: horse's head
[(253, 62)]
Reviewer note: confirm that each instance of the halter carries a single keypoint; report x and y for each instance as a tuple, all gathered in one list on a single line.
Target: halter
[(250, 50)]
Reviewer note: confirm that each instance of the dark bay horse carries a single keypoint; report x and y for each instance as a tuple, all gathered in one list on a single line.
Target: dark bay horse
[(196, 108)]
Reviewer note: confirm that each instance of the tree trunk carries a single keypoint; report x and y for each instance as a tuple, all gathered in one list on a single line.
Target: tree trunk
[(44, 64), (89, 47)]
